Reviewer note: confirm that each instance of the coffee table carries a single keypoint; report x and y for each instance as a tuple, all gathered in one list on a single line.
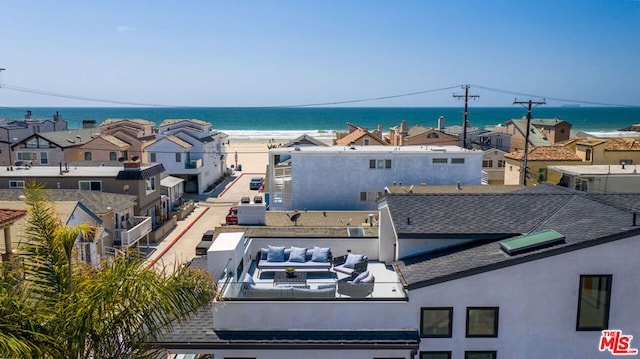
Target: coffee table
[(298, 278)]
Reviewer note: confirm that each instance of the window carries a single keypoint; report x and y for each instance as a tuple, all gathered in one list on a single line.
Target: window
[(380, 164), (458, 161), (436, 322), (440, 160), (16, 184), (87, 156), (435, 355), (433, 135), (27, 156), (152, 157), (90, 185), (178, 157), (593, 302), (626, 162), (372, 163), (479, 355), (487, 163), (500, 163), (498, 142), (370, 196), (112, 156), (365, 142), (482, 321), (44, 158), (387, 164), (151, 184), (587, 155)]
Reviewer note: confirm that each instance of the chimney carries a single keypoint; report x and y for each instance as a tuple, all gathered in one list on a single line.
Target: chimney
[(57, 117), (29, 115), (89, 124), (459, 185), (296, 146), (441, 123), (352, 145)]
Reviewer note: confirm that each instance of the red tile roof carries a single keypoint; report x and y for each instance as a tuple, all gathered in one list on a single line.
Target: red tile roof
[(10, 215)]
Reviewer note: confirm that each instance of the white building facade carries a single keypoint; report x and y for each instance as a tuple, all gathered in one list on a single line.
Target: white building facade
[(354, 177)]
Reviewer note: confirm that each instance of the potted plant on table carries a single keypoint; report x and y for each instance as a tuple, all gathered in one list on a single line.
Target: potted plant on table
[(290, 271)]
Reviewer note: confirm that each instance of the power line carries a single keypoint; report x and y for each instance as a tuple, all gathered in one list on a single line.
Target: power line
[(342, 102), (509, 92), (529, 104), (466, 112)]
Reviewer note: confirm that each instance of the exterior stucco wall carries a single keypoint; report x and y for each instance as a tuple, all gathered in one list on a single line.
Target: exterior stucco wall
[(538, 304)]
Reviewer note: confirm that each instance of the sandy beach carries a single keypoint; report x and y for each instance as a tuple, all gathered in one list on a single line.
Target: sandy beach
[(253, 153)]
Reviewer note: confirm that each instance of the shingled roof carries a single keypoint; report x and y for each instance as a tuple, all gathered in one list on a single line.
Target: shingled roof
[(583, 219)]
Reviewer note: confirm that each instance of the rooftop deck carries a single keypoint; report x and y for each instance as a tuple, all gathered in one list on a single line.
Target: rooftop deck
[(386, 286)]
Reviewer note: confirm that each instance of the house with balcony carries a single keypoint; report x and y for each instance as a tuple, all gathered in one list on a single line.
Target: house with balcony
[(542, 132), (136, 132), (355, 176), (52, 148), (456, 275), (12, 131), (100, 210), (128, 178), (191, 150)]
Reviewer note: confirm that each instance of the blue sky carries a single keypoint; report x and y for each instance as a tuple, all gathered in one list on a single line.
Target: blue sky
[(274, 53)]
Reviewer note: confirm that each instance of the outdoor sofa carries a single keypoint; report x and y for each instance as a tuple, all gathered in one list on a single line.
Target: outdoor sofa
[(265, 291), (276, 258), (351, 264)]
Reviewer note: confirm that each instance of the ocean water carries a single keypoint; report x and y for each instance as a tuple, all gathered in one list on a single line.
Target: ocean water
[(285, 122)]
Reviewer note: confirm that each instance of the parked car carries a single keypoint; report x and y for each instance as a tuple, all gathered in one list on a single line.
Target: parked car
[(205, 243), (256, 183), (232, 216)]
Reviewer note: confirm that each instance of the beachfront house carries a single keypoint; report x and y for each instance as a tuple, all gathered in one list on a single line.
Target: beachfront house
[(52, 148), (493, 164), (191, 150), (136, 132), (359, 136), (354, 177), (542, 132), (451, 275), (105, 148)]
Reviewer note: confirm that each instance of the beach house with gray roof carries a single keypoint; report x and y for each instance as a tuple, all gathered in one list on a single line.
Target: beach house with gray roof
[(538, 272), (190, 149), (52, 148)]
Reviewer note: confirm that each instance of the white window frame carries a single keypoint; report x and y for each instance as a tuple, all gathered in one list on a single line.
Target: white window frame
[(89, 182), (16, 184)]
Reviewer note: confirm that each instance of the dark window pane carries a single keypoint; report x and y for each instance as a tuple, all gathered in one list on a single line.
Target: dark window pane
[(436, 322), (480, 355), (482, 322), (593, 302), (435, 355)]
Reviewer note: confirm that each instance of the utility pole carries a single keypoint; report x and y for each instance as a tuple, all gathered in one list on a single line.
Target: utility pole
[(465, 113), (526, 137)]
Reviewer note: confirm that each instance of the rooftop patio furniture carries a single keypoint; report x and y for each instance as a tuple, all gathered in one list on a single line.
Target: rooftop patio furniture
[(279, 258), (296, 278), (351, 264), (289, 292), (359, 287)]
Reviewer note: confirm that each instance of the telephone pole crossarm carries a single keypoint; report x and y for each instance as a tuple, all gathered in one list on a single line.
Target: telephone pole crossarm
[(466, 97), (529, 104)]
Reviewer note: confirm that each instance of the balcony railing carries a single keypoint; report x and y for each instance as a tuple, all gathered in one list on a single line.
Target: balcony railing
[(193, 164), (128, 237)]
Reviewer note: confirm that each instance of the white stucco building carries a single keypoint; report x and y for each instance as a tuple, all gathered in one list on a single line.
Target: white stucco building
[(535, 273), (354, 177), (191, 150)]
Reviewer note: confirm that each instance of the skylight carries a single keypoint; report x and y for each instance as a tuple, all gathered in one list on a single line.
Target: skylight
[(531, 241)]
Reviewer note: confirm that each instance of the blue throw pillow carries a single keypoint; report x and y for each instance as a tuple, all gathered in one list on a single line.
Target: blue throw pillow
[(275, 254), (352, 259), (298, 255), (361, 276), (320, 254)]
